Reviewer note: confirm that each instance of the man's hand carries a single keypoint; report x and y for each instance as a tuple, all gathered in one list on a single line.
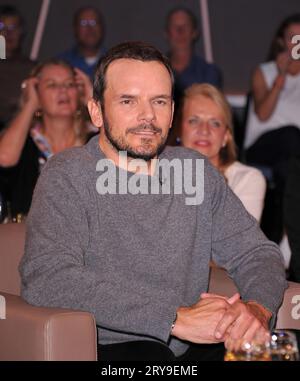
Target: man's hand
[(241, 321), (198, 323)]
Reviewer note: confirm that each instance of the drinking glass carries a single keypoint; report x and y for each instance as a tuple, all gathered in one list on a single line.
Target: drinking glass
[(257, 349), (283, 346)]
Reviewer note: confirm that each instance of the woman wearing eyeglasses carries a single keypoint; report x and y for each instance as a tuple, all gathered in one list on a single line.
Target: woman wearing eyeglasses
[(205, 124), (50, 120)]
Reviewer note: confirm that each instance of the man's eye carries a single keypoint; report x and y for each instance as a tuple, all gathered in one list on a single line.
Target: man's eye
[(126, 101), (160, 102)]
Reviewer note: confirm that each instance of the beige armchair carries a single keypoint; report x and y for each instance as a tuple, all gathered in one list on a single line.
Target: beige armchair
[(33, 333)]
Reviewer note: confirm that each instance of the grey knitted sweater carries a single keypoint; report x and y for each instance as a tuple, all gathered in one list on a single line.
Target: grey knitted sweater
[(132, 260)]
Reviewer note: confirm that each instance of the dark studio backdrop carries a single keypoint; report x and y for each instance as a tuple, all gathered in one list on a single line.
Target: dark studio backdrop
[(241, 30)]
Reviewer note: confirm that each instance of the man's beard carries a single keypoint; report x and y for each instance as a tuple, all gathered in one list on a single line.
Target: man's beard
[(120, 143)]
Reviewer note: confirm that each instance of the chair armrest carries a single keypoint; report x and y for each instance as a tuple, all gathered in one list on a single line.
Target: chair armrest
[(36, 333), (288, 316)]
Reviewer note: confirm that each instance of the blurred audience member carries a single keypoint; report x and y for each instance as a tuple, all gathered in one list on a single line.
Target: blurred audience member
[(273, 134), (88, 27), (50, 120), (292, 217), (13, 70), (206, 126), (15, 67), (182, 33)]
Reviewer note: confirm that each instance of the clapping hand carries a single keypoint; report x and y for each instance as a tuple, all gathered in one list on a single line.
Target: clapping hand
[(30, 96), (84, 84), (283, 60)]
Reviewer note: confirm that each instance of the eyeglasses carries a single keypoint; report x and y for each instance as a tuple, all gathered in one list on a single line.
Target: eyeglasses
[(9, 27), (57, 86), (196, 121), (84, 23)]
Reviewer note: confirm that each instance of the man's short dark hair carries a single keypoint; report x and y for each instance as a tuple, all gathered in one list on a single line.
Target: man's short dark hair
[(135, 50), (187, 11), (11, 11)]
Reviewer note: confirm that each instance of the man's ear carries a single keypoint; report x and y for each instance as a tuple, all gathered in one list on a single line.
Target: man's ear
[(95, 113)]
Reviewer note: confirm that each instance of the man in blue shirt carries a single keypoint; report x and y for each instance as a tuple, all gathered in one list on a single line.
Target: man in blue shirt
[(189, 68), (89, 31)]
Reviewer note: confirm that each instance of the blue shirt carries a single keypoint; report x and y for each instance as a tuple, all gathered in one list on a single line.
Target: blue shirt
[(198, 71), (76, 59)]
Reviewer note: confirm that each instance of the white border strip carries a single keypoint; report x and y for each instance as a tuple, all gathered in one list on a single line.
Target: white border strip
[(206, 31), (2, 48), (40, 29)]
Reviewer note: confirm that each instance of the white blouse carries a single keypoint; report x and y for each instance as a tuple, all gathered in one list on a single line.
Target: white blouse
[(249, 185), (286, 112)]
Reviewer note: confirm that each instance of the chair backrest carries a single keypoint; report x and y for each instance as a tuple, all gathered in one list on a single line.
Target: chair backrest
[(289, 313), (12, 241), (240, 117)]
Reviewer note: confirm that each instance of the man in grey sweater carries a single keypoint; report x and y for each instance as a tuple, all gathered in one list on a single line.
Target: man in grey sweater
[(122, 237)]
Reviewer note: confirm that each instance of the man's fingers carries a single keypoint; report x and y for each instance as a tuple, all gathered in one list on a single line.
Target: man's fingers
[(241, 327), (255, 331), (206, 295), (234, 298), (253, 337), (224, 324)]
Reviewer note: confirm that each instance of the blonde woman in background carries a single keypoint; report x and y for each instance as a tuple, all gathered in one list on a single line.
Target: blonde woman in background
[(205, 125), (50, 120)]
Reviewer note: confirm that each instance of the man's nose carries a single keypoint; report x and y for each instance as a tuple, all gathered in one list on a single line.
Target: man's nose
[(146, 112)]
